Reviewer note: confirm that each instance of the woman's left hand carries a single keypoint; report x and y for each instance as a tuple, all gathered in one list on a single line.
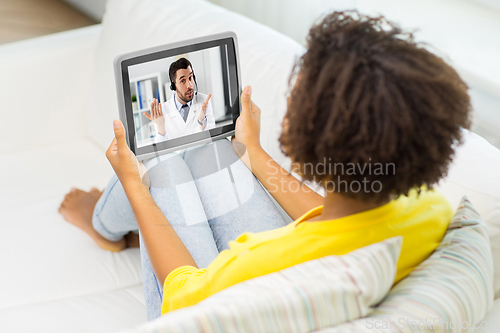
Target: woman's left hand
[(122, 159), (247, 131)]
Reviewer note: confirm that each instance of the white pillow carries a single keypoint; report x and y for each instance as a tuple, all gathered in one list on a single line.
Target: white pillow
[(451, 291), (475, 172), (266, 56), (305, 297)]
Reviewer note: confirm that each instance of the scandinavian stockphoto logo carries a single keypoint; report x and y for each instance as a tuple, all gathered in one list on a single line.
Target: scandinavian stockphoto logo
[(430, 324), (334, 173)]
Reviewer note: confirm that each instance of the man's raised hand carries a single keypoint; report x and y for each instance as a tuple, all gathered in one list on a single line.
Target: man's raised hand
[(157, 116), (203, 110)]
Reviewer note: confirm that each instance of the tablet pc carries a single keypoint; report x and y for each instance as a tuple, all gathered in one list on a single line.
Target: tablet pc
[(192, 80)]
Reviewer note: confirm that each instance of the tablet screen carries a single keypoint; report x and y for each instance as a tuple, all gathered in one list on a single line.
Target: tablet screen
[(180, 96)]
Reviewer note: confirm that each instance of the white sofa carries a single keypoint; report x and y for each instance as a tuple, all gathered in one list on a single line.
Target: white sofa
[(58, 101)]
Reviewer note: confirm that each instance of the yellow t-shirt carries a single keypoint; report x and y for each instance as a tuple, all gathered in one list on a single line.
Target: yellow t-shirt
[(422, 221)]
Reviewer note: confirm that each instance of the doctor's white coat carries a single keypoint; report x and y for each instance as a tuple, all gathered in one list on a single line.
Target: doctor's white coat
[(175, 125)]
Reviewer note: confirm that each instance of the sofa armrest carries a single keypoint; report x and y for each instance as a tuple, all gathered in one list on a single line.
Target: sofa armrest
[(43, 88)]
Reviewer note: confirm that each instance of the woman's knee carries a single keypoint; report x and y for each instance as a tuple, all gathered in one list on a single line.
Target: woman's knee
[(167, 171)]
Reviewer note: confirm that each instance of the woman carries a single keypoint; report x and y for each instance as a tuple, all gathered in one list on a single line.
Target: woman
[(372, 117)]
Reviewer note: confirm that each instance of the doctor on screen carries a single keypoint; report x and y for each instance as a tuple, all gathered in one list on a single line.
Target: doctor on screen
[(187, 111)]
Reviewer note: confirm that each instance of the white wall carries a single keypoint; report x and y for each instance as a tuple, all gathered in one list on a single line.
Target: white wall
[(92, 8), (466, 34), (493, 4), (290, 17)]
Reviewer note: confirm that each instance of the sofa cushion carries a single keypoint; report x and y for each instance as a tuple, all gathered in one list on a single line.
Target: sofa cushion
[(451, 291), (55, 70), (309, 296), (107, 311), (475, 173), (128, 25), (44, 258)]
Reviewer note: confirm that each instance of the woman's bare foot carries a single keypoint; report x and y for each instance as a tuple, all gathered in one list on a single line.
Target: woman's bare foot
[(77, 209)]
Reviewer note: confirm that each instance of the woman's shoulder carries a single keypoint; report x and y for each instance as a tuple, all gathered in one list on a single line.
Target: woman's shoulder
[(428, 196), (431, 204)]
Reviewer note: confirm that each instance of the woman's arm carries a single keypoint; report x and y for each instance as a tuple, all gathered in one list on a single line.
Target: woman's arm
[(165, 249), (295, 197)]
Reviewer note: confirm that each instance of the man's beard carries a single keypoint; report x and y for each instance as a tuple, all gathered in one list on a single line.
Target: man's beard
[(185, 98)]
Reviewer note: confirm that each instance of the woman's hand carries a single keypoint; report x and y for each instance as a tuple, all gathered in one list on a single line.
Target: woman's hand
[(247, 132), (122, 159)]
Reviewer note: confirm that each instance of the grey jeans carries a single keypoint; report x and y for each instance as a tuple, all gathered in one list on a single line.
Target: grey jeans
[(209, 197)]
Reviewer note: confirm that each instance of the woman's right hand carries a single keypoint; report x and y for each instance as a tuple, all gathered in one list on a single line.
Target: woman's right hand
[(247, 132), (157, 116)]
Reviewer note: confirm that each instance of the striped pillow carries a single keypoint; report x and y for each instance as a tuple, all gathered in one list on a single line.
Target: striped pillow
[(313, 295), (451, 291)]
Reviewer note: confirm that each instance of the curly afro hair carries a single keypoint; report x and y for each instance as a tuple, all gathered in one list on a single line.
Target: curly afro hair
[(370, 106)]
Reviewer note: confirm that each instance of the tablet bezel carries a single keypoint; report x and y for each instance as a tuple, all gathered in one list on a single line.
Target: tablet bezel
[(121, 64)]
